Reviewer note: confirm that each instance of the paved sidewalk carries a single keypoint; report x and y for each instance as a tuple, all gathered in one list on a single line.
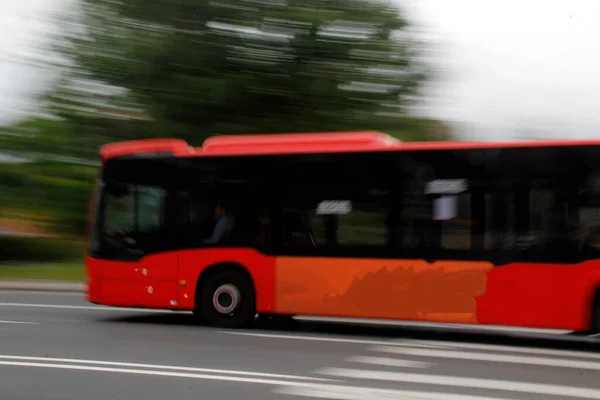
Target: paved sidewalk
[(42, 285)]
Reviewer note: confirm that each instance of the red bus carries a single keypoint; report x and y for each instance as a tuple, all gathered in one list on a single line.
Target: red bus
[(354, 225)]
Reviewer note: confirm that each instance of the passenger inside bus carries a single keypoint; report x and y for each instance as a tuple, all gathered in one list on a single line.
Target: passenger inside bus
[(224, 226)]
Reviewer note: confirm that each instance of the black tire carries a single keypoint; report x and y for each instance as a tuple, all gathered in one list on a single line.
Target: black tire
[(245, 311)]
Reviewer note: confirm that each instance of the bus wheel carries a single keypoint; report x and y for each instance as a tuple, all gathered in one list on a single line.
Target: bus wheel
[(227, 300)]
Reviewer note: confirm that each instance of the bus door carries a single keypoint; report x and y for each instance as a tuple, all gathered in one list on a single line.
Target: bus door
[(138, 268)]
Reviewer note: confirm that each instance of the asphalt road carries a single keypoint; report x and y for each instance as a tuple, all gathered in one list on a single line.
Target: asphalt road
[(57, 346)]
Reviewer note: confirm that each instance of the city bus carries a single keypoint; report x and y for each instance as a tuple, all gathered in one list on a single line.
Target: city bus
[(350, 225)]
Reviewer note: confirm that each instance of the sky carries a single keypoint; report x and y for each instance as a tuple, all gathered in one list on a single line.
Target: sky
[(517, 66), (509, 69)]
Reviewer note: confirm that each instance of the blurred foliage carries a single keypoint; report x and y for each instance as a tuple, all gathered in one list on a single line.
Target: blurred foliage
[(59, 190), (192, 69), (199, 68), (43, 249), (242, 66)]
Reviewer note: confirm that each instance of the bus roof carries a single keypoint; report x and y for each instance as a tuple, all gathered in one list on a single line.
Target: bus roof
[(298, 143)]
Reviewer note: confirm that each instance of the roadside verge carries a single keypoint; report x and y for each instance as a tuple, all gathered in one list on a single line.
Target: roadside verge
[(42, 286)]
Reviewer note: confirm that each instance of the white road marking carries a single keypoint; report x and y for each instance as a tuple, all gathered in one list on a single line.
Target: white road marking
[(329, 339), (163, 367), (502, 358), (362, 392), (512, 349), (96, 308), (18, 322), (359, 393), (227, 378), (390, 362), (473, 383)]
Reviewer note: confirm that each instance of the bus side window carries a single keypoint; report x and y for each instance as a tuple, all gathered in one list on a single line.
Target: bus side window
[(456, 230), (541, 224), (586, 229), (542, 216), (300, 227), (195, 219), (365, 224), (500, 219), (413, 220)]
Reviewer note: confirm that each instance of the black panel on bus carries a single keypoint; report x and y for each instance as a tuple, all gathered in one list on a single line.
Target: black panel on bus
[(513, 204)]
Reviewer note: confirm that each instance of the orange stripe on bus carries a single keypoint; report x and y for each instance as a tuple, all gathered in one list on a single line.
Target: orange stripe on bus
[(444, 291)]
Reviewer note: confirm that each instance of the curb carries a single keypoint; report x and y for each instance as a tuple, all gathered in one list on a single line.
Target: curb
[(43, 286)]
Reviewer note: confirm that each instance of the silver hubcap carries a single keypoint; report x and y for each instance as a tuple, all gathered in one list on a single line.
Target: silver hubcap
[(226, 298)]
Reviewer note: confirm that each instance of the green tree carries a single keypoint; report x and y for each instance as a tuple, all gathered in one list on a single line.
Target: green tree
[(200, 68), (197, 68)]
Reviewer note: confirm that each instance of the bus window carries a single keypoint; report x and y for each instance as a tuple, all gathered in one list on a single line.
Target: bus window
[(541, 221), (119, 211), (365, 224), (449, 208), (151, 224), (300, 227), (195, 217), (456, 230), (134, 218), (337, 220), (414, 220), (500, 218), (150, 203), (541, 215), (587, 229)]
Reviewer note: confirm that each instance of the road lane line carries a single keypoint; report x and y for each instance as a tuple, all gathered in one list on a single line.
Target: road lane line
[(512, 349), (227, 378), (18, 322), (389, 362), (462, 382), (163, 367), (96, 308), (501, 358), (387, 394), (328, 339), (359, 393)]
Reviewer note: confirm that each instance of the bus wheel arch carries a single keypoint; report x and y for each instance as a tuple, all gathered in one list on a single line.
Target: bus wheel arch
[(225, 296)]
